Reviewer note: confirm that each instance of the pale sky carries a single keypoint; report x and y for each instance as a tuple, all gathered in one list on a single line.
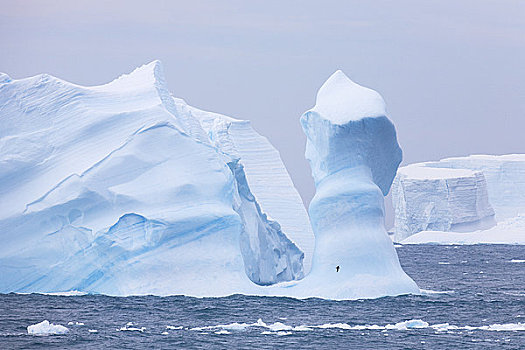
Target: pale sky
[(452, 72)]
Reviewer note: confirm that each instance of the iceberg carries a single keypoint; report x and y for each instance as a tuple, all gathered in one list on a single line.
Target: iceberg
[(353, 152), (438, 199), (124, 189), (118, 189), (461, 200), (46, 328)]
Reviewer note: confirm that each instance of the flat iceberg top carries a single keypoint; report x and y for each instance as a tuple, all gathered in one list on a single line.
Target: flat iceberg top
[(340, 100), (421, 172), (489, 157)]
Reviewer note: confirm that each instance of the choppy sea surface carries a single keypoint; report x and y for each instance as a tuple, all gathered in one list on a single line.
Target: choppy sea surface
[(474, 299)]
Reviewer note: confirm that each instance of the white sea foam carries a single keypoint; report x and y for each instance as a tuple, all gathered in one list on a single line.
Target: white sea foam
[(430, 292), (406, 325), (46, 328), (279, 328), (174, 327), (71, 293), (130, 327)]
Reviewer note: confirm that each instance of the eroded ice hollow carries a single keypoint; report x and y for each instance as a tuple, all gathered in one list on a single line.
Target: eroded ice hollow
[(353, 152)]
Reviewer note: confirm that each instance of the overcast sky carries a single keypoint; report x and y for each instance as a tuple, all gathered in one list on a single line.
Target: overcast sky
[(452, 72)]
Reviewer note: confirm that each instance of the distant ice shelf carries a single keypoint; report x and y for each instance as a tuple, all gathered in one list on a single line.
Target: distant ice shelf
[(463, 200)]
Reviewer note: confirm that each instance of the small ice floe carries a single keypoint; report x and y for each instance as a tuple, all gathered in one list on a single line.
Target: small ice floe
[(130, 327), (517, 261), (75, 323), (92, 331), (222, 331), (443, 263), (46, 328), (164, 333)]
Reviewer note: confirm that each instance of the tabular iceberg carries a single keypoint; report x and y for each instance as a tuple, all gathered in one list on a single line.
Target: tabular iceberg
[(118, 189), (474, 199), (354, 154), (437, 199)]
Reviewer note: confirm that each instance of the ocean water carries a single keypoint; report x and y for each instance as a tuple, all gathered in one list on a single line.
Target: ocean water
[(475, 299)]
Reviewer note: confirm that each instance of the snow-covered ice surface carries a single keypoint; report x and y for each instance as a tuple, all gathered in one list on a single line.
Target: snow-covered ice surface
[(354, 154), (463, 200), (117, 189), (46, 328), (511, 231)]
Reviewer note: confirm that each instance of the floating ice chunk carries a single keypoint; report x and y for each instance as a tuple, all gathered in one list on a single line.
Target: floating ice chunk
[(93, 331), (222, 331), (46, 328), (517, 261)]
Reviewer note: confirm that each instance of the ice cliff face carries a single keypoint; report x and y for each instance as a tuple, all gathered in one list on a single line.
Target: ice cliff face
[(438, 199), (354, 154), (505, 176), (482, 193), (118, 189), (253, 158)]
